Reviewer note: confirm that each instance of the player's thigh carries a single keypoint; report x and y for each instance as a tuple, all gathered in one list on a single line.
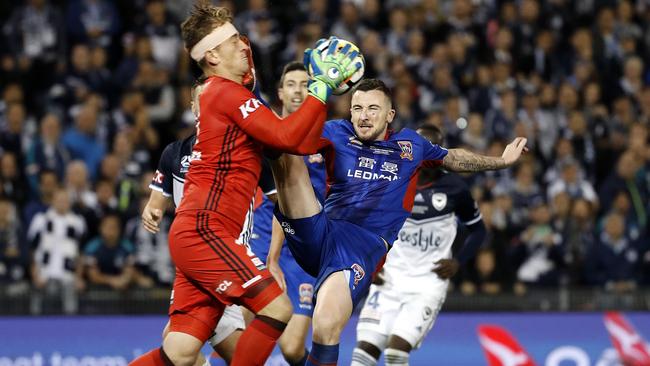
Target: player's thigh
[(296, 197), (416, 317), (333, 308)]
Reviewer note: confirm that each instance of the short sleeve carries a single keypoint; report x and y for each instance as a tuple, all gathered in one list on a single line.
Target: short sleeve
[(432, 153), (163, 180)]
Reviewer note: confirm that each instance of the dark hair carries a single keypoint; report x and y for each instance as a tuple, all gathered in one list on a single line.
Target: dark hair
[(291, 66), (203, 19), (373, 84), (431, 133)]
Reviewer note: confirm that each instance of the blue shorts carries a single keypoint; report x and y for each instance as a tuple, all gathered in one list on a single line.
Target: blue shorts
[(322, 246), (300, 285)]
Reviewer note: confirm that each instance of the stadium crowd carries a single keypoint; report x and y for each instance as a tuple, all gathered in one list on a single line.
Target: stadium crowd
[(92, 90)]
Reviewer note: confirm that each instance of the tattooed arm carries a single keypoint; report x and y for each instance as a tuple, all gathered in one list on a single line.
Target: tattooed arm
[(460, 160)]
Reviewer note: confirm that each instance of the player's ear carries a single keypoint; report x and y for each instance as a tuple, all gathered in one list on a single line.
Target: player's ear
[(212, 58), (390, 116)]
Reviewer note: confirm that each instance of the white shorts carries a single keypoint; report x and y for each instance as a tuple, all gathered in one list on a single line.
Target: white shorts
[(409, 316), (231, 320)]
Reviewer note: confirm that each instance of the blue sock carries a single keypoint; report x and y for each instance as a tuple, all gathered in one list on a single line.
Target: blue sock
[(322, 355)]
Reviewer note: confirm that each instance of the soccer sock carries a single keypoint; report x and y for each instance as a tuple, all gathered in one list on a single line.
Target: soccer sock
[(322, 355), (362, 358), (302, 360), (257, 341), (395, 357), (155, 357)]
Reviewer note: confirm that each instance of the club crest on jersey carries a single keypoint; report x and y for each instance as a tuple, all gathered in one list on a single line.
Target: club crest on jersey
[(407, 149), (249, 107), (359, 273), (439, 201), (306, 292)]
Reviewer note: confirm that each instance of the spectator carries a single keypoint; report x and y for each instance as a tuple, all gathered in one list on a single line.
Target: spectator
[(56, 237), (81, 141), (92, 21), (483, 277), (109, 258), (12, 181), (572, 181), (624, 178), (613, 260), (47, 184), (163, 33), (152, 260), (539, 257), (159, 97), (47, 151), (13, 252), (17, 130), (36, 37)]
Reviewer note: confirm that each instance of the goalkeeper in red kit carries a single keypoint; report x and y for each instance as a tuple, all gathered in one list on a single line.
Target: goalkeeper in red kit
[(212, 269)]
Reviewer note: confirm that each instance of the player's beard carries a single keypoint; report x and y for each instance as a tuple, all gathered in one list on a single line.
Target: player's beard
[(375, 133)]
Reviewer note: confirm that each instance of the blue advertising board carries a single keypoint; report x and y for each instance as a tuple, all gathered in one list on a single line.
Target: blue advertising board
[(552, 339)]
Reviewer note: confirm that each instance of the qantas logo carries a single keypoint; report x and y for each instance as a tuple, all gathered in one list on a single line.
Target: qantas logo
[(249, 107), (629, 344), (501, 349)]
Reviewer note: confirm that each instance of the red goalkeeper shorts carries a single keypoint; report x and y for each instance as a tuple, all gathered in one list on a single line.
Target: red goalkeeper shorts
[(212, 271)]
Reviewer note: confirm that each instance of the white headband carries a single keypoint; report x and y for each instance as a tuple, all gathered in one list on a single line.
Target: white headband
[(212, 40)]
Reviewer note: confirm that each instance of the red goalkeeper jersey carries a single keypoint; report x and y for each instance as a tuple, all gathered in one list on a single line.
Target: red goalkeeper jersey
[(233, 126)]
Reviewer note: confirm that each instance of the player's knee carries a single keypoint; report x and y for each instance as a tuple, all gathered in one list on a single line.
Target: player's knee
[(180, 357), (279, 309), (328, 327)]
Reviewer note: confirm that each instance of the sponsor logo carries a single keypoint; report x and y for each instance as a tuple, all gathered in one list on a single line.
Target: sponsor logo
[(287, 228), (306, 292), (223, 286), (439, 201), (365, 175), (426, 313), (407, 149), (389, 167), (422, 239), (359, 273), (316, 159), (158, 177), (367, 163), (419, 197), (185, 163), (249, 107)]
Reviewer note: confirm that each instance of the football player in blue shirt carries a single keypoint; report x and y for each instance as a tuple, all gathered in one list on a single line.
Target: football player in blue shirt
[(371, 178)]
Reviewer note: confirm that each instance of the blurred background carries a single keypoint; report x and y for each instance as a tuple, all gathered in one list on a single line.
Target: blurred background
[(92, 90)]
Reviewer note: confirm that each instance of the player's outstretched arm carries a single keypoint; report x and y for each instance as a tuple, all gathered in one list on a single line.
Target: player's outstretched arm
[(461, 160)]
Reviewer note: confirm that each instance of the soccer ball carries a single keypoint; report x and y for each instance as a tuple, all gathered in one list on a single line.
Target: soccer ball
[(357, 76)]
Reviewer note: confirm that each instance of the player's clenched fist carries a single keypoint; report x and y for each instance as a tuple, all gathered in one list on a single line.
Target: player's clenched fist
[(330, 68)]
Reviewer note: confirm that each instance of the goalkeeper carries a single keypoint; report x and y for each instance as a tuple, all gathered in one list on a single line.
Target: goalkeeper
[(233, 127)]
